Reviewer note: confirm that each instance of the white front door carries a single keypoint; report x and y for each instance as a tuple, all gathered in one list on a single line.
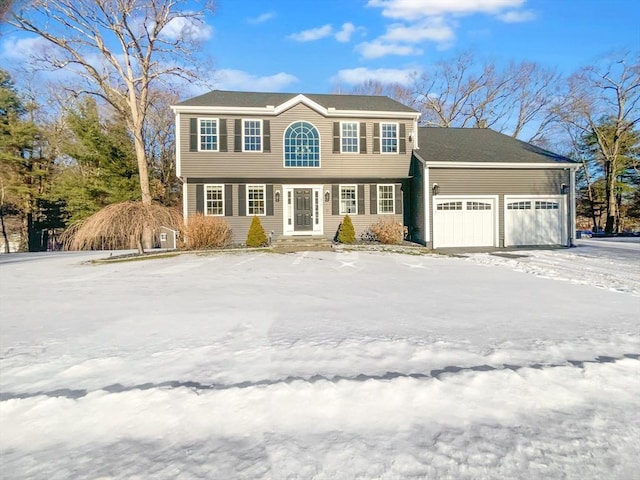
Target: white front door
[(464, 221)]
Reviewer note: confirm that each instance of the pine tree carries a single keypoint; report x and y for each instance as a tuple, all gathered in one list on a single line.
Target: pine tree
[(346, 232), (256, 237)]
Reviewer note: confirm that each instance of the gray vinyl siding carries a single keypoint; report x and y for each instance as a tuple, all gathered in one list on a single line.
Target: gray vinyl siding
[(501, 182), (232, 164), (273, 225), (416, 215)]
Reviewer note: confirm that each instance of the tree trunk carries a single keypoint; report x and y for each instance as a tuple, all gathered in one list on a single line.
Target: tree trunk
[(610, 194), (592, 202), (143, 169), (4, 233)]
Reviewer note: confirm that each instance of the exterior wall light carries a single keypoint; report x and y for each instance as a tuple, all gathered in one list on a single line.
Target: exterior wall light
[(435, 189), (563, 189), (277, 196), (327, 196)]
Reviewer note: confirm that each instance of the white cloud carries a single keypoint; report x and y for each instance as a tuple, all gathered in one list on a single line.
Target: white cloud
[(261, 18), (192, 29), (21, 49), (377, 49), (515, 16), (434, 29), (228, 79), (312, 34), (416, 9), (356, 76), (344, 35)]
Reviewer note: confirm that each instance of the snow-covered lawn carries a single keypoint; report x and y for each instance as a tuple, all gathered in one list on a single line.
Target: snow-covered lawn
[(323, 365)]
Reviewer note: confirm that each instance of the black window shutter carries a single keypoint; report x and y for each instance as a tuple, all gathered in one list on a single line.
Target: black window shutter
[(193, 134), (363, 137), (403, 138), (398, 193), (269, 200), (228, 200), (335, 200), (373, 198), (376, 138), (360, 199), (199, 198), (336, 137), (237, 135), (223, 134), (266, 136), (242, 200)]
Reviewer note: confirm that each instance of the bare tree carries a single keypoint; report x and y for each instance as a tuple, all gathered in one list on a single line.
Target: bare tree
[(121, 49), (603, 102)]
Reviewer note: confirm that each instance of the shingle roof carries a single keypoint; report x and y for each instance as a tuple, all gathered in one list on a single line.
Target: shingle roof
[(479, 145), (221, 98)]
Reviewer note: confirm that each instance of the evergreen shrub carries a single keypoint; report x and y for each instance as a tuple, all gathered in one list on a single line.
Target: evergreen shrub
[(256, 237), (346, 232)]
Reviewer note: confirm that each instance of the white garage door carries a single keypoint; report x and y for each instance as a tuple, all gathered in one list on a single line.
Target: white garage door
[(534, 221), (464, 222)]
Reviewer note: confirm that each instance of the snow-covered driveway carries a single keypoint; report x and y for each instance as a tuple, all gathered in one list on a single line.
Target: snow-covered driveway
[(323, 365)]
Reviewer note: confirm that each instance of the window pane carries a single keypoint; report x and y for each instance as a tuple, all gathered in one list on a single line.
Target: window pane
[(214, 200), (255, 200), (208, 134), (301, 145), (349, 137), (386, 199), (389, 137), (348, 200), (252, 135)]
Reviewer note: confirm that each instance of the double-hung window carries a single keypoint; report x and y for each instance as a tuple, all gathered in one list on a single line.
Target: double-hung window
[(214, 200), (348, 199), (349, 137), (208, 134), (252, 135), (389, 137), (386, 198), (256, 200)]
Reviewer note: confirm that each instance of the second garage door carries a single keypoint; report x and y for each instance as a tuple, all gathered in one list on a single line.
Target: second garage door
[(464, 222), (534, 221)]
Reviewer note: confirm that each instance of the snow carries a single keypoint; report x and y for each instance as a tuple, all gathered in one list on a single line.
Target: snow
[(323, 365)]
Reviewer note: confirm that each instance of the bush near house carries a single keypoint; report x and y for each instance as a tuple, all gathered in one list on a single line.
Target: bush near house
[(202, 232), (388, 231), (346, 232), (256, 237)]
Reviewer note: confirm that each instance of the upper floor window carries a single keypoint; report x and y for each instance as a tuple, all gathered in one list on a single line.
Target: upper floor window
[(252, 135), (214, 200), (301, 145), (256, 195), (389, 137), (386, 198), (208, 134), (349, 137), (348, 199)]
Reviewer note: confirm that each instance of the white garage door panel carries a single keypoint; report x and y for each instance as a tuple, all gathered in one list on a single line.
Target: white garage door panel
[(534, 221), (464, 222)]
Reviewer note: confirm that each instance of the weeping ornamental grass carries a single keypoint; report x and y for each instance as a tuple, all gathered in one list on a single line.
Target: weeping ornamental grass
[(121, 225)]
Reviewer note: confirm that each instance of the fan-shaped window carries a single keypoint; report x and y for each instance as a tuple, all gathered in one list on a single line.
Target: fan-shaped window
[(301, 145)]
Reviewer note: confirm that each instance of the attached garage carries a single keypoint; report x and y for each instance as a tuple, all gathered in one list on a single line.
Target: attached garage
[(464, 221), (534, 221)]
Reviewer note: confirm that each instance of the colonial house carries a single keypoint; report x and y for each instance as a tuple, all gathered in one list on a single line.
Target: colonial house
[(301, 162)]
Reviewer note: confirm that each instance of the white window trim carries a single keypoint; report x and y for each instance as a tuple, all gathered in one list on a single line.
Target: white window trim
[(393, 190), (264, 189), (397, 138), (357, 138), (204, 207), (261, 135), (217, 120), (355, 188)]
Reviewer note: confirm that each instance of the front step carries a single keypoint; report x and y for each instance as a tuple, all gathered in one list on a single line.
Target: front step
[(301, 243)]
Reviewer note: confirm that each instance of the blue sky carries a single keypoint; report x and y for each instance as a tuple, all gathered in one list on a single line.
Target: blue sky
[(313, 46)]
